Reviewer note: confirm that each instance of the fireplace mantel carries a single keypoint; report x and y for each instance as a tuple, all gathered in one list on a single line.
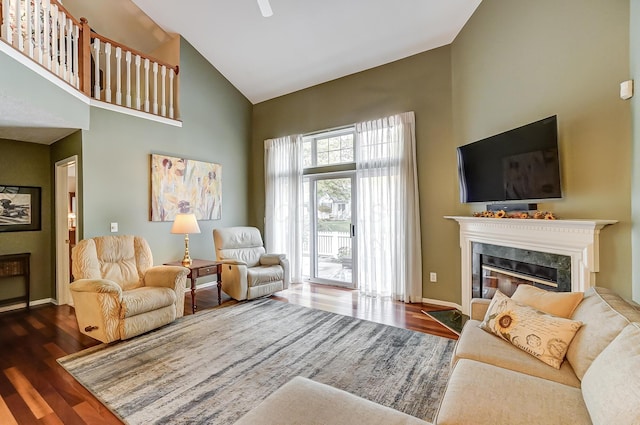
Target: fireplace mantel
[(578, 239)]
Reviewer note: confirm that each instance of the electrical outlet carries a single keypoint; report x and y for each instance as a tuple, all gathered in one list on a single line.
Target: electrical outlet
[(433, 277), (114, 227)]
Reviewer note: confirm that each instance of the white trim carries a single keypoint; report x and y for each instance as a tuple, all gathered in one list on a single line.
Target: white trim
[(442, 303), (135, 113), (24, 304), (187, 291), (42, 71)]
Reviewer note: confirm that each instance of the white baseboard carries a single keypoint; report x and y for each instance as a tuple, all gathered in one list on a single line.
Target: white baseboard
[(18, 306), (442, 303), (187, 291)]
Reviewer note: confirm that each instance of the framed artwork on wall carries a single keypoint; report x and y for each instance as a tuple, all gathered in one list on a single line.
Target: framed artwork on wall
[(180, 185), (19, 208)]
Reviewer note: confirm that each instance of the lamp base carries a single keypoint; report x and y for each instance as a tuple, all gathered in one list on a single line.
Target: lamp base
[(186, 261)]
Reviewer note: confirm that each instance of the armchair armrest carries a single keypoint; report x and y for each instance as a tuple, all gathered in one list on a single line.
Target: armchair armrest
[(479, 307), (97, 304), (172, 277), (272, 259), (102, 286)]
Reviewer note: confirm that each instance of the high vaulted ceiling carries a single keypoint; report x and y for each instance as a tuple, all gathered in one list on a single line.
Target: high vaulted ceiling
[(307, 42)]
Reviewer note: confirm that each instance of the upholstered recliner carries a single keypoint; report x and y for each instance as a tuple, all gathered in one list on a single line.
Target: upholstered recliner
[(118, 293), (248, 271)]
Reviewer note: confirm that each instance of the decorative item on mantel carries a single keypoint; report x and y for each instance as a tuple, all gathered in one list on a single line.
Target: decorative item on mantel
[(538, 215)]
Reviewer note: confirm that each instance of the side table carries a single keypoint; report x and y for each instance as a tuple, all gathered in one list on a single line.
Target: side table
[(201, 268)]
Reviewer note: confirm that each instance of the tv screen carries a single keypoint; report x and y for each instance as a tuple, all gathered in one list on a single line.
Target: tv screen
[(519, 164)]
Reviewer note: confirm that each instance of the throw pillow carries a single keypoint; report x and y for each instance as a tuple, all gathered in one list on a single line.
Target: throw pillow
[(561, 304), (544, 336)]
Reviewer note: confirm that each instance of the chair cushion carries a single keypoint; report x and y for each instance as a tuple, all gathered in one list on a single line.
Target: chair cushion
[(145, 299), (264, 274), (117, 258), (611, 385), (251, 256)]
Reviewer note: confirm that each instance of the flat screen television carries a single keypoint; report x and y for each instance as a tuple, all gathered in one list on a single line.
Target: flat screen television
[(518, 165)]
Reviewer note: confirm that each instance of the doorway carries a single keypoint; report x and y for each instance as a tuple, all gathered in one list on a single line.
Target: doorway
[(328, 235), (66, 213)]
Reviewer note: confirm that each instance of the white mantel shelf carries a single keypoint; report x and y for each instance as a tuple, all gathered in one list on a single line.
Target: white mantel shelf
[(578, 239)]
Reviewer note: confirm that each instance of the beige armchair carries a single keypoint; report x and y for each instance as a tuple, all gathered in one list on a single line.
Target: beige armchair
[(248, 271), (118, 293)]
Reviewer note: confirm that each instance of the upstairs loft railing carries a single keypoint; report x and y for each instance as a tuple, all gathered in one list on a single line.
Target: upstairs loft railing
[(101, 68)]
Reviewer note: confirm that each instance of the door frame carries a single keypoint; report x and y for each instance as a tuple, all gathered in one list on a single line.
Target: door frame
[(63, 275), (313, 243)]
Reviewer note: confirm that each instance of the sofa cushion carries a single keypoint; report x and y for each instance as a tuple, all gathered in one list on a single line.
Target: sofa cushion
[(561, 304), (611, 385), (476, 344), (145, 299), (543, 336), (479, 393), (603, 314), (303, 401), (264, 274)]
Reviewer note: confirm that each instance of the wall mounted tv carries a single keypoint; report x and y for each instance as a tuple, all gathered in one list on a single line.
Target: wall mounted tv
[(518, 165)]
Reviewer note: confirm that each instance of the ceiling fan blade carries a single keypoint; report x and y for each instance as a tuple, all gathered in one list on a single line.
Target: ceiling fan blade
[(265, 8)]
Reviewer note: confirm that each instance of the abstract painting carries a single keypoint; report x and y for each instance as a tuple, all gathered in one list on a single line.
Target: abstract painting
[(180, 185)]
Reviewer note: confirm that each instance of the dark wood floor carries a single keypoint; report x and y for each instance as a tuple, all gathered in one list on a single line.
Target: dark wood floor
[(34, 389)]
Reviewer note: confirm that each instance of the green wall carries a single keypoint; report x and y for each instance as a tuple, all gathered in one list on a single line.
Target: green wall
[(518, 61), (634, 56), (116, 167), (420, 83), (28, 164), (514, 62)]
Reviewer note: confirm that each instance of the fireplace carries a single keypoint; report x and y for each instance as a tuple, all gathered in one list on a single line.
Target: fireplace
[(571, 247), (505, 268)]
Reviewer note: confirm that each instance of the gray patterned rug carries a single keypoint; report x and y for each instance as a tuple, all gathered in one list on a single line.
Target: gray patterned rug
[(212, 367)]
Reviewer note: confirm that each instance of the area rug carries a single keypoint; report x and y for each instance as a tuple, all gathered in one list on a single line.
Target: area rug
[(213, 367)]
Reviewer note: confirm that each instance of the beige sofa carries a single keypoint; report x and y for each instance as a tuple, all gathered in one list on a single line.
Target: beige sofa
[(493, 382)]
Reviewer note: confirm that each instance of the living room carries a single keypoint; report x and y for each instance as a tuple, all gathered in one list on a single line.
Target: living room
[(512, 63)]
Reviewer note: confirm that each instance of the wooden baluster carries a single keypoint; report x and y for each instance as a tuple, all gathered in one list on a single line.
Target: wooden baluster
[(107, 71), (163, 73), (46, 41), (69, 59), (55, 65), (62, 58), (6, 22), (18, 26), (76, 56), (146, 85), (96, 86), (29, 28), (38, 30), (171, 77), (118, 76), (128, 97), (155, 88), (85, 59), (138, 82)]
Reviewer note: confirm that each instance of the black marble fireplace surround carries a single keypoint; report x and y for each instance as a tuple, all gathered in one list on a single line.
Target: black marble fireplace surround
[(522, 262)]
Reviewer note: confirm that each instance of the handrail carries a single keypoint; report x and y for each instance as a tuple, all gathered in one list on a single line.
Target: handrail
[(46, 32), (134, 51)]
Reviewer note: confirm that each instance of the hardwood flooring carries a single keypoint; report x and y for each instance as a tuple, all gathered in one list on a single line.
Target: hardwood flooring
[(34, 389)]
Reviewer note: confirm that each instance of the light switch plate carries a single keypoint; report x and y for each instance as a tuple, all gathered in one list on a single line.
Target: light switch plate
[(114, 227)]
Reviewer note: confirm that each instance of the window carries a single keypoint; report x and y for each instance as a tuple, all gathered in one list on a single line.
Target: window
[(328, 148)]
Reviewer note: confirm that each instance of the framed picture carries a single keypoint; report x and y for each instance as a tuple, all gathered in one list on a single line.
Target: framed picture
[(19, 208), (181, 185)]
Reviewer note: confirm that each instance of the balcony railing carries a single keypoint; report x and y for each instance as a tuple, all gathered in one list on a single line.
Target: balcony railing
[(99, 67)]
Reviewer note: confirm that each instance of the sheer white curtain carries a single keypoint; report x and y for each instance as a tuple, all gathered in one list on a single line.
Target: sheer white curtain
[(388, 228), (283, 204)]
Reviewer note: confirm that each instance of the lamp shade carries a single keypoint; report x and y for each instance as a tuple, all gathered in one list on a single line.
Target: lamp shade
[(185, 224)]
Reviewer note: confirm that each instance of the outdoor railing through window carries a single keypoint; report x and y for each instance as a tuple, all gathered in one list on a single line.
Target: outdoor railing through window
[(102, 68)]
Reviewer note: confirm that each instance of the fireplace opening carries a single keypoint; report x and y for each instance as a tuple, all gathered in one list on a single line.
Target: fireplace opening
[(505, 268)]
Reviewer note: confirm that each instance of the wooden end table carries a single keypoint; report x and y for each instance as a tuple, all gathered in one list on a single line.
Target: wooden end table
[(201, 268)]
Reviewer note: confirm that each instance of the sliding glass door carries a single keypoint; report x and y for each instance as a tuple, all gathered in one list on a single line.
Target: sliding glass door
[(329, 214)]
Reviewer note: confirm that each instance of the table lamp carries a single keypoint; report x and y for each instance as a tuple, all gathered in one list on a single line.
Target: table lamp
[(185, 223)]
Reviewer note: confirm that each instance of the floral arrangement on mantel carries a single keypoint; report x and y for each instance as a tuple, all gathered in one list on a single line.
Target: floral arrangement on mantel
[(538, 215)]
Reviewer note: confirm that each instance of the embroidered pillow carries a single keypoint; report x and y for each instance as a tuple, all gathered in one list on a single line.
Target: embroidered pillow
[(561, 304), (544, 336)]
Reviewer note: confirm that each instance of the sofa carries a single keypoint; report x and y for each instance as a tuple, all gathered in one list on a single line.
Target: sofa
[(494, 382)]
